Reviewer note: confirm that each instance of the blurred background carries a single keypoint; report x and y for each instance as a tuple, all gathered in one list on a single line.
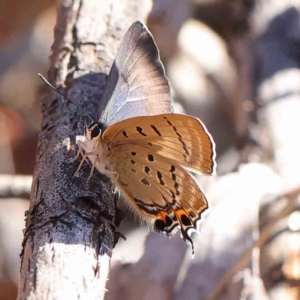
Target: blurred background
[(234, 64)]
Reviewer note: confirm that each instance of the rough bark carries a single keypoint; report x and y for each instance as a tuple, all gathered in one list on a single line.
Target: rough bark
[(70, 226)]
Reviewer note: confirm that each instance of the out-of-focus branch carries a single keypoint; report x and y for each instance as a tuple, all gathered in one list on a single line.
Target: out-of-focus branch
[(277, 83), (15, 186), (293, 197)]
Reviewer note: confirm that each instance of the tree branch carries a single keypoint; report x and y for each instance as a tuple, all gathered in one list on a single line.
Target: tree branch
[(70, 226)]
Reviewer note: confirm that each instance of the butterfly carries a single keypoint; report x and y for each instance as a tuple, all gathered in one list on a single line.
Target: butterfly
[(144, 148)]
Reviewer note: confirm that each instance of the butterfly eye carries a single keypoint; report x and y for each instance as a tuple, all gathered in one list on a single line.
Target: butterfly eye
[(95, 131)]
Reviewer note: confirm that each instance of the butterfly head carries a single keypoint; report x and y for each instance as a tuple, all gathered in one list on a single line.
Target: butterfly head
[(94, 130)]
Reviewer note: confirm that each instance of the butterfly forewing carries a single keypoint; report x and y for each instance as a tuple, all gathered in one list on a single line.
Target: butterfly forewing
[(181, 138), (136, 85)]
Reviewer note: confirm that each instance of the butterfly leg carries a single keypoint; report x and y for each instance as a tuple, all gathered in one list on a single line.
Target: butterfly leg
[(111, 172), (81, 146), (113, 185), (94, 164), (80, 165)]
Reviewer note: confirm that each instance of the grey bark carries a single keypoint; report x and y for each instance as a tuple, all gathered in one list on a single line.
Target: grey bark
[(71, 223)]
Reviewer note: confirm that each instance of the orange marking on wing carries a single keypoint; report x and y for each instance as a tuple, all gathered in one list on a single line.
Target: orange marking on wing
[(162, 216), (179, 213)]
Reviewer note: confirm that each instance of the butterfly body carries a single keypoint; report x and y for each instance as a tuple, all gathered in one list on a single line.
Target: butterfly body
[(144, 148)]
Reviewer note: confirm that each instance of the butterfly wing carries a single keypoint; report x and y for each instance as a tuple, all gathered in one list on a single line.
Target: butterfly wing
[(137, 84), (180, 138), (158, 188)]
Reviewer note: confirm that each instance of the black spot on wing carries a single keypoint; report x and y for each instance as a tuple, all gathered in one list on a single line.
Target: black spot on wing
[(133, 153), (156, 130), (159, 225), (169, 122), (181, 141), (176, 131), (176, 186), (185, 149), (145, 181), (185, 220), (125, 133), (147, 170), (160, 178), (173, 196), (150, 157), (169, 221), (140, 131)]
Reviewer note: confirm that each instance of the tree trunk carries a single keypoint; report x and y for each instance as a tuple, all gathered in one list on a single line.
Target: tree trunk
[(70, 226)]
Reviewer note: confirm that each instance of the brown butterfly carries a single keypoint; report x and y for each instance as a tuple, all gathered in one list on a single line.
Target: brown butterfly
[(144, 149)]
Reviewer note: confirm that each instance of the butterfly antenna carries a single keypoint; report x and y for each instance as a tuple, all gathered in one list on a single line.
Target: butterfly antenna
[(55, 89)]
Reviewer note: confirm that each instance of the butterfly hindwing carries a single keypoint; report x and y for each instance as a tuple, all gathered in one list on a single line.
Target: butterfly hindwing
[(181, 138), (159, 189), (137, 84)]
